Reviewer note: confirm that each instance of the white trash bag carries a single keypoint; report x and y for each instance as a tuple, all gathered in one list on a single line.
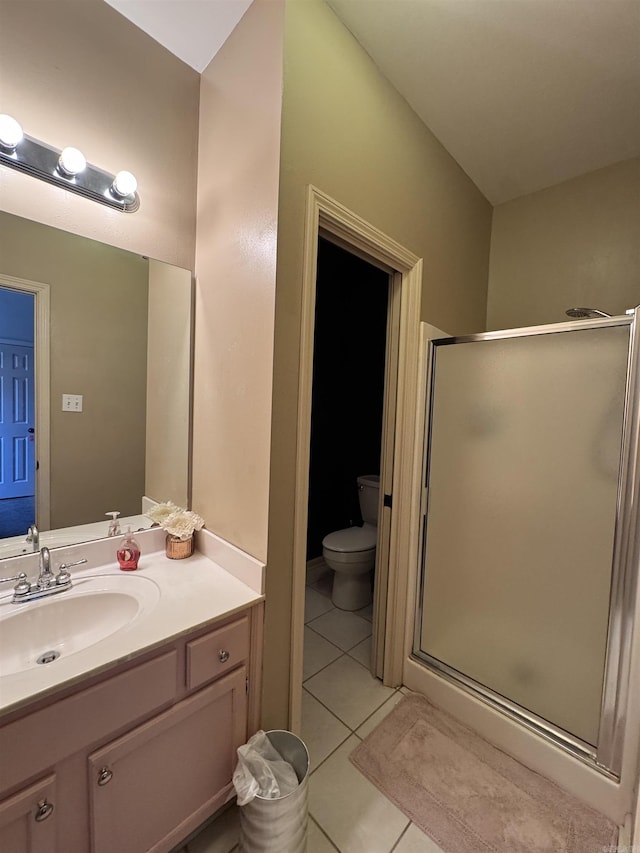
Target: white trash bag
[(261, 771)]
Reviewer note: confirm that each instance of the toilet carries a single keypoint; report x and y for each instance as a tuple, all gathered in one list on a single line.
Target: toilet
[(351, 552)]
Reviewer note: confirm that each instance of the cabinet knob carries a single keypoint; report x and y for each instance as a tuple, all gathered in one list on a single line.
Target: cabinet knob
[(223, 655), (104, 776), (44, 810)]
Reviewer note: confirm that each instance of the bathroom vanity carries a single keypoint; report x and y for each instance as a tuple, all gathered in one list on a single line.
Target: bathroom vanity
[(137, 748)]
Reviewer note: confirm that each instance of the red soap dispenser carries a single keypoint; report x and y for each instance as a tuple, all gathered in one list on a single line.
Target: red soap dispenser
[(128, 553)]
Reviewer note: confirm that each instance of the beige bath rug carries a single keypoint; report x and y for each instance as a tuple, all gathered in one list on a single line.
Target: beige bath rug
[(467, 795)]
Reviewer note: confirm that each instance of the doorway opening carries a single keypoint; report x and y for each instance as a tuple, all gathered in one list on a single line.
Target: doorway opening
[(24, 406), (351, 343), (17, 413)]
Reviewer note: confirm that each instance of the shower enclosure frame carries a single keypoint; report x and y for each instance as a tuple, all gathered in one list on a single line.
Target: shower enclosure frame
[(607, 756)]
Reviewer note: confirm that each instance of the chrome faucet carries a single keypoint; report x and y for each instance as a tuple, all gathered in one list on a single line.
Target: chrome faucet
[(47, 582), (46, 578), (34, 537)]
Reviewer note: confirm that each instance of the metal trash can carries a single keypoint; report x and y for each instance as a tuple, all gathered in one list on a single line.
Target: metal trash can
[(279, 824)]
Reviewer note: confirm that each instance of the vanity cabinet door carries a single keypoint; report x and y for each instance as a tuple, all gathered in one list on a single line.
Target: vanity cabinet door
[(154, 785), (28, 819)]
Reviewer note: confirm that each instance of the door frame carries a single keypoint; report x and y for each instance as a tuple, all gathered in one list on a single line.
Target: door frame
[(325, 214), (41, 343)]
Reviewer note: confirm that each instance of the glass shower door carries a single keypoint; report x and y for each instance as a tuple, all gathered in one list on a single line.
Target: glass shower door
[(523, 476)]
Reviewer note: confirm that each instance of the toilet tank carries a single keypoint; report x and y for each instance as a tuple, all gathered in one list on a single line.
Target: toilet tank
[(368, 488)]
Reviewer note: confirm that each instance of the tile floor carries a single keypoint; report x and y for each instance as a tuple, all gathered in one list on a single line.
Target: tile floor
[(342, 703)]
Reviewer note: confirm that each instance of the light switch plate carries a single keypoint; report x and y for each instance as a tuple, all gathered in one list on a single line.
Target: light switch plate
[(72, 402)]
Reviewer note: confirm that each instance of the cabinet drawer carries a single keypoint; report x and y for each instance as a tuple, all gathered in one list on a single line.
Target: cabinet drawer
[(217, 652)]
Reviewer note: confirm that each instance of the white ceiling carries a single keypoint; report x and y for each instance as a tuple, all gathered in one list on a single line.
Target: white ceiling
[(522, 93), (193, 30)]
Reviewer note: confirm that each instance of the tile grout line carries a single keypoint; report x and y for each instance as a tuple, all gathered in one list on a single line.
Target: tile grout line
[(342, 742), (353, 732), (318, 634), (353, 613), (402, 835), (335, 660), (355, 647), (368, 717), (351, 648), (325, 833), (342, 654), (322, 669)]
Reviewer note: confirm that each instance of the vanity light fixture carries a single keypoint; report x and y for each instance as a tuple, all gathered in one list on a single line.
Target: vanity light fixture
[(10, 133), (124, 184), (67, 169), (71, 162)]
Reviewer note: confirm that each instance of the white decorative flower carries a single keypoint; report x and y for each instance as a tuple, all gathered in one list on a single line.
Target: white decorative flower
[(176, 520), (159, 512)]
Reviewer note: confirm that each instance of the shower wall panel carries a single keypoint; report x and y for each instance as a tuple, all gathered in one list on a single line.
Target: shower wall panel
[(523, 466)]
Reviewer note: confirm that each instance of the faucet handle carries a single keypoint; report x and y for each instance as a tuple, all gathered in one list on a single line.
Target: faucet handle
[(22, 587), (19, 577), (65, 566), (63, 576)]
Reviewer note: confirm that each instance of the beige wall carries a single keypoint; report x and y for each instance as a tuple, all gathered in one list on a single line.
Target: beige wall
[(98, 330), (167, 475), (348, 132), (236, 273), (78, 73), (574, 244)]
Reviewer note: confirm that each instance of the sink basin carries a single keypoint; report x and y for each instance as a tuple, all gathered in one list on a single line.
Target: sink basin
[(93, 609)]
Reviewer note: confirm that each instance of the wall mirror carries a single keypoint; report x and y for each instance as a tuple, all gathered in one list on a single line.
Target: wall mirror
[(95, 354)]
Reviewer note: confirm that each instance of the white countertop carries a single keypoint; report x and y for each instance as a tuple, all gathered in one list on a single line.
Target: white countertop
[(193, 592)]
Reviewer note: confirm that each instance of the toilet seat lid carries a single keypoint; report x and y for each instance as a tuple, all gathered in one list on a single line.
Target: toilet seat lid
[(352, 539)]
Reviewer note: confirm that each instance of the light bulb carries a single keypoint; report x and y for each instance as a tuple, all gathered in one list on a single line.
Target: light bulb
[(71, 162), (124, 184), (10, 132)]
